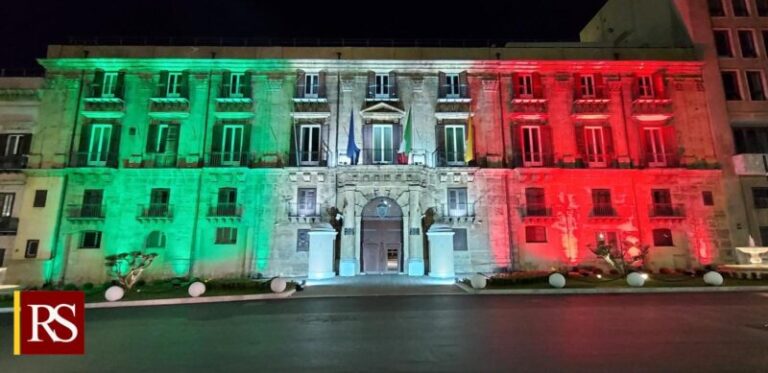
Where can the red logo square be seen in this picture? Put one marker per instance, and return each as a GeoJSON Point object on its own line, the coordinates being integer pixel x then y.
{"type": "Point", "coordinates": [49, 323]}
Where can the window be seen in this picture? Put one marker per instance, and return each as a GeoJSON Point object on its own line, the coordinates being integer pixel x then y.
{"type": "Point", "coordinates": [382, 144]}
{"type": "Point", "coordinates": [31, 250]}
{"type": "Point", "coordinates": [41, 195]}
{"type": "Point", "coordinates": [382, 86]}
{"type": "Point", "coordinates": [762, 8]}
{"type": "Point", "coordinates": [609, 238]}
{"type": "Point", "coordinates": [654, 147]}
{"type": "Point", "coordinates": [173, 85]}
{"type": "Point", "coordinates": [307, 199]}
{"type": "Point", "coordinates": [163, 138]}
{"type": "Point", "coordinates": [601, 203]}
{"type": "Point", "coordinates": [309, 140]}
{"type": "Point", "coordinates": [457, 202]}
{"type": "Point", "coordinates": [662, 202]}
{"type": "Point", "coordinates": [2, 257]}
{"type": "Point", "coordinates": [707, 198]}
{"type": "Point", "coordinates": [755, 85]}
{"type": "Point", "coordinates": [747, 43]}
{"type": "Point", "coordinates": [232, 144]}
{"type": "Point", "coordinates": [311, 85]}
{"type": "Point", "coordinates": [588, 86]}
{"type": "Point", "coordinates": [6, 204]}
{"type": "Point", "coordinates": [731, 85]}
{"type": "Point", "coordinates": [92, 200]}
{"type": "Point", "coordinates": [226, 236]}
{"type": "Point", "coordinates": [460, 239]}
{"type": "Point", "coordinates": [302, 240]}
{"type": "Point", "coordinates": [535, 202]}
{"type": "Point", "coordinates": [532, 150]}
{"type": "Point", "coordinates": [452, 86]}
{"type": "Point", "coordinates": [236, 84]}
{"type": "Point", "coordinates": [155, 240]}
{"type": "Point", "coordinates": [751, 140]}
{"type": "Point", "coordinates": [98, 145]}
{"type": "Point", "coordinates": [723, 43]}
{"type": "Point", "coordinates": [454, 144]}
{"type": "Point", "coordinates": [716, 8]}
{"type": "Point", "coordinates": [536, 234]}
{"type": "Point", "coordinates": [525, 85]}
{"type": "Point", "coordinates": [645, 86]}
{"type": "Point", "coordinates": [109, 85]}
{"type": "Point", "coordinates": [158, 202]}
{"type": "Point", "coordinates": [595, 142]}
{"type": "Point", "coordinates": [662, 237]}
{"type": "Point", "coordinates": [90, 240]}
{"type": "Point", "coordinates": [760, 197]}
{"type": "Point", "coordinates": [227, 202]}
{"type": "Point", "coordinates": [13, 145]}
{"type": "Point", "coordinates": [740, 8]}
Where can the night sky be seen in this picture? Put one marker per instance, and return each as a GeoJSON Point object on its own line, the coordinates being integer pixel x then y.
{"type": "Point", "coordinates": [26, 27]}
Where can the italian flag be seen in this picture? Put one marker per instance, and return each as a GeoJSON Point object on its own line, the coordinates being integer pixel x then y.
{"type": "Point", "coordinates": [469, 145]}
{"type": "Point", "coordinates": [405, 143]}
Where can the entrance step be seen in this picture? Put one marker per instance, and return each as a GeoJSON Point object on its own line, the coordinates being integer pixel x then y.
{"type": "Point", "coordinates": [378, 285]}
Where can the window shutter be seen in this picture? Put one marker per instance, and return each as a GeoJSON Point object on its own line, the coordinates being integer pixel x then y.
{"type": "Point", "coordinates": [120, 85]}
{"type": "Point", "coordinates": [98, 80]}
{"type": "Point", "coordinates": [300, 82]}
{"type": "Point", "coordinates": [325, 135]}
{"type": "Point", "coordinates": [397, 135]}
{"type": "Point", "coordinates": [659, 85]}
{"type": "Point", "coordinates": [292, 159]}
{"type": "Point", "coordinates": [226, 83]}
{"type": "Point", "coordinates": [581, 145]}
{"type": "Point", "coordinates": [152, 138]}
{"type": "Point", "coordinates": [392, 84]}
{"type": "Point", "coordinates": [516, 133]}
{"type": "Point", "coordinates": [85, 135]}
{"type": "Point", "coordinates": [218, 131]}
{"type": "Point", "coordinates": [538, 88]}
{"type": "Point", "coordinates": [599, 86]}
{"type": "Point", "coordinates": [636, 87]}
{"type": "Point", "coordinates": [162, 84]}
{"type": "Point", "coordinates": [608, 138]}
{"type": "Point", "coordinates": [26, 142]}
{"type": "Point", "coordinates": [114, 145]}
{"type": "Point", "coordinates": [441, 85]}
{"type": "Point", "coordinates": [440, 140]}
{"type": "Point", "coordinates": [464, 84]}
{"type": "Point", "coordinates": [368, 143]}
{"type": "Point", "coordinates": [371, 84]}
{"type": "Point", "coordinates": [670, 143]}
{"type": "Point", "coordinates": [576, 86]}
{"type": "Point", "coordinates": [185, 84]}
{"type": "Point", "coordinates": [515, 86]}
{"type": "Point", "coordinates": [246, 84]}
{"type": "Point", "coordinates": [321, 88]}
{"type": "Point", "coordinates": [546, 142]}
{"type": "Point", "coordinates": [246, 141]}
{"type": "Point", "coordinates": [3, 144]}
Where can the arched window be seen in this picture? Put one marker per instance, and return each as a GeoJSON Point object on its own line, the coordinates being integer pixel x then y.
{"type": "Point", "coordinates": [156, 240]}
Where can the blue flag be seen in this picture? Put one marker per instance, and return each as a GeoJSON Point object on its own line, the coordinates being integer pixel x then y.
{"type": "Point", "coordinates": [353, 152]}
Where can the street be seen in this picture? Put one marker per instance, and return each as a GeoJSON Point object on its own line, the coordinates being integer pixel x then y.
{"type": "Point", "coordinates": [643, 333]}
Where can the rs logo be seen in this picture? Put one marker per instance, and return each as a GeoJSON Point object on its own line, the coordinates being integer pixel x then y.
{"type": "Point", "coordinates": [48, 322]}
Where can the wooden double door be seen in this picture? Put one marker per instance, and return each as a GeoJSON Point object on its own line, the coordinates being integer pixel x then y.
{"type": "Point", "coordinates": [382, 245]}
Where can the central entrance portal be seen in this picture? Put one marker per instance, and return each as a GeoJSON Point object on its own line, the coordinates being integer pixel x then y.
{"type": "Point", "coordinates": [382, 241]}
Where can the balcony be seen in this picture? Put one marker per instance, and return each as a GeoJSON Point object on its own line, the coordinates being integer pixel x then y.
{"type": "Point", "coordinates": [103, 107]}
{"type": "Point", "coordinates": [591, 108]}
{"type": "Point", "coordinates": [529, 108]}
{"type": "Point", "coordinates": [155, 211]}
{"type": "Point", "coordinates": [227, 159]}
{"type": "Point", "coordinates": [234, 106]}
{"type": "Point", "coordinates": [168, 107]}
{"type": "Point", "coordinates": [534, 212]}
{"type": "Point", "coordinates": [309, 159]}
{"type": "Point", "coordinates": [755, 164]}
{"type": "Point", "coordinates": [95, 159]}
{"type": "Point", "coordinates": [533, 160]}
{"type": "Point", "coordinates": [603, 212]}
{"type": "Point", "coordinates": [8, 226]}
{"type": "Point", "coordinates": [457, 213]}
{"type": "Point", "coordinates": [660, 160]}
{"type": "Point", "coordinates": [303, 213]}
{"type": "Point", "coordinates": [444, 158]}
{"type": "Point", "coordinates": [13, 162]}
{"type": "Point", "coordinates": [156, 160]}
{"type": "Point", "coordinates": [651, 109]}
{"type": "Point", "coordinates": [85, 212]}
{"type": "Point", "coordinates": [226, 210]}
{"type": "Point", "coordinates": [666, 211]}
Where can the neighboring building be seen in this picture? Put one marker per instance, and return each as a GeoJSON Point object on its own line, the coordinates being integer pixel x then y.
{"type": "Point", "coordinates": [527, 153]}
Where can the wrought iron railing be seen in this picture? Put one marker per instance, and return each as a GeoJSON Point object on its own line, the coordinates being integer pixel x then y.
{"type": "Point", "coordinates": [13, 162]}
{"type": "Point", "coordinates": [86, 211]}
{"type": "Point", "coordinates": [160, 160]}
{"type": "Point", "coordinates": [602, 211]}
{"type": "Point", "coordinates": [457, 210]}
{"type": "Point", "coordinates": [666, 210]}
{"type": "Point", "coordinates": [226, 210]}
{"type": "Point", "coordinates": [156, 210]}
{"type": "Point", "coordinates": [535, 210]}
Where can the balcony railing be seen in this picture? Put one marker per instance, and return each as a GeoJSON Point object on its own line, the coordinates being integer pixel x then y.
{"type": "Point", "coordinates": [529, 106]}
{"type": "Point", "coordinates": [457, 210]}
{"type": "Point", "coordinates": [302, 210]}
{"type": "Point", "coordinates": [86, 211]}
{"type": "Point", "coordinates": [660, 160]}
{"type": "Point", "coordinates": [8, 225]}
{"type": "Point", "coordinates": [94, 159]}
{"type": "Point", "coordinates": [157, 160]}
{"type": "Point", "coordinates": [651, 108]}
{"type": "Point", "coordinates": [603, 211]}
{"type": "Point", "coordinates": [449, 159]}
{"type": "Point", "coordinates": [13, 162]}
{"type": "Point", "coordinates": [391, 94]}
{"type": "Point", "coordinates": [590, 106]}
{"type": "Point", "coordinates": [156, 211]}
{"type": "Point", "coordinates": [535, 210]}
{"type": "Point", "coordinates": [666, 210]}
{"type": "Point", "coordinates": [533, 160]}
{"type": "Point", "coordinates": [226, 210]}
{"type": "Point", "coordinates": [449, 92]}
{"type": "Point", "coordinates": [227, 159]}
{"type": "Point", "coordinates": [309, 158]}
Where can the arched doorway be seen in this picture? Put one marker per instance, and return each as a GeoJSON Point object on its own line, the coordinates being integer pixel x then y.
{"type": "Point", "coordinates": [382, 239]}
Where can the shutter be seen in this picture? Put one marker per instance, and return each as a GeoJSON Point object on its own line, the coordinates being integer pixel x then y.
{"type": "Point", "coordinates": [599, 86]}
{"type": "Point", "coordinates": [120, 85]}
{"type": "Point", "coordinates": [246, 148]}
{"type": "Point", "coordinates": [516, 144]}
{"type": "Point", "coordinates": [325, 131]}
{"type": "Point", "coordinates": [397, 135]}
{"type": "Point", "coordinates": [98, 80]}
{"type": "Point", "coordinates": [659, 85]}
{"type": "Point", "coordinates": [226, 83]}
{"type": "Point", "coordinates": [392, 84]}
{"type": "Point", "coordinates": [300, 82]}
{"type": "Point", "coordinates": [218, 131]}
{"type": "Point", "coordinates": [246, 84]}
{"type": "Point", "coordinates": [441, 85]}
{"type": "Point", "coordinates": [515, 86]}
{"type": "Point", "coordinates": [321, 88]}
{"type": "Point", "coordinates": [464, 84]}
{"type": "Point", "coordinates": [546, 144]}
{"type": "Point", "coordinates": [636, 88]}
{"type": "Point", "coordinates": [26, 142]}
{"type": "Point", "coordinates": [440, 137]}
{"type": "Point", "coordinates": [670, 143]}
{"type": "Point", "coordinates": [608, 138]}
{"type": "Point", "coordinates": [576, 86]}
{"type": "Point", "coordinates": [371, 84]}
{"type": "Point", "coordinates": [162, 84]}
{"type": "Point", "coordinates": [3, 144]}
{"type": "Point", "coordinates": [367, 144]}
{"type": "Point", "coordinates": [185, 84]}
{"type": "Point", "coordinates": [114, 145]}
{"type": "Point", "coordinates": [152, 138]}
{"type": "Point", "coordinates": [538, 88]}
{"type": "Point", "coordinates": [581, 142]}
{"type": "Point", "coordinates": [85, 135]}
{"type": "Point", "coordinates": [292, 158]}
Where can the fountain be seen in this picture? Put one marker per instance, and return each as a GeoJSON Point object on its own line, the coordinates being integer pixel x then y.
{"type": "Point", "coordinates": [753, 251]}
{"type": "Point", "coordinates": [756, 267]}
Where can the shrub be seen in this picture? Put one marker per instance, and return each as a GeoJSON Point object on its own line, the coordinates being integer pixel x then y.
{"type": "Point", "coordinates": [665, 271]}
{"type": "Point", "coordinates": [176, 282]}
{"type": "Point", "coordinates": [518, 278]}
{"type": "Point", "coordinates": [597, 271]}
{"type": "Point", "coordinates": [88, 286]}
{"type": "Point", "coordinates": [614, 272]}
{"type": "Point", "coordinates": [141, 283]}
{"type": "Point", "coordinates": [70, 287]}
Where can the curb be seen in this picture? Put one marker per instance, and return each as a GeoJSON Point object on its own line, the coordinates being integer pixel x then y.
{"type": "Point", "coordinates": [649, 290]}
{"type": "Point", "coordinates": [177, 301]}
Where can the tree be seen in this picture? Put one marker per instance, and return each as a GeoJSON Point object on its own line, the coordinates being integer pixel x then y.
{"type": "Point", "coordinates": [126, 268]}
{"type": "Point", "coordinates": [622, 258]}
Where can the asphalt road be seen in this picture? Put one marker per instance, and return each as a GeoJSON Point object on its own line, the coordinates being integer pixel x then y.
{"type": "Point", "coordinates": [643, 333]}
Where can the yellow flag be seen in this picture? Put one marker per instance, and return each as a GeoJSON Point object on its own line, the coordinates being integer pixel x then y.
{"type": "Point", "coordinates": [469, 143]}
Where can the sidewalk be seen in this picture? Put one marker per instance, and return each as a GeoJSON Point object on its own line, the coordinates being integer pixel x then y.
{"type": "Point", "coordinates": [627, 290]}
{"type": "Point", "coordinates": [378, 285]}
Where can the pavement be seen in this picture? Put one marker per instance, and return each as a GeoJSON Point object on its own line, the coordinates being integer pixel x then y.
{"type": "Point", "coordinates": [586, 333]}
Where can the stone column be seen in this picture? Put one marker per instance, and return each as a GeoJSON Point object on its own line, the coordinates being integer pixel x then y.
{"type": "Point", "coordinates": [321, 239]}
{"type": "Point", "coordinates": [415, 242]}
{"type": "Point", "coordinates": [348, 262]}
{"type": "Point", "coordinates": [441, 251]}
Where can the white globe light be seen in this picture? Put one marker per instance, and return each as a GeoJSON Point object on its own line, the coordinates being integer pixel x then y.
{"type": "Point", "coordinates": [636, 279]}
{"type": "Point", "coordinates": [478, 281]}
{"type": "Point", "coordinates": [278, 285]}
{"type": "Point", "coordinates": [557, 280]}
{"type": "Point", "coordinates": [713, 278]}
{"type": "Point", "coordinates": [196, 289]}
{"type": "Point", "coordinates": [114, 293]}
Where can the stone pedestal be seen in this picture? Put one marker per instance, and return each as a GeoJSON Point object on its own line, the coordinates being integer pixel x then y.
{"type": "Point", "coordinates": [321, 239]}
{"type": "Point", "coordinates": [415, 267]}
{"type": "Point", "coordinates": [441, 251]}
{"type": "Point", "coordinates": [348, 267]}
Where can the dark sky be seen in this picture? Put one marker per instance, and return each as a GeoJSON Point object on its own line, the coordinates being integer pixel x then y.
{"type": "Point", "coordinates": [27, 26]}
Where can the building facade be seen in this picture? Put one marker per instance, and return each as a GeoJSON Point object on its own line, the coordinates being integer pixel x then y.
{"type": "Point", "coordinates": [225, 160]}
